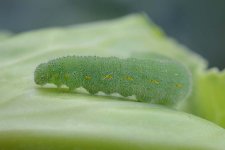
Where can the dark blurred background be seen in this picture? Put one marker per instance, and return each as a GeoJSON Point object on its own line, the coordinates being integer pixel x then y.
{"type": "Point", "coordinates": [198, 24]}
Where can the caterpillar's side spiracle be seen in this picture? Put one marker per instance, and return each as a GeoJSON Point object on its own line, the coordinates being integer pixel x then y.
{"type": "Point", "coordinates": [157, 79]}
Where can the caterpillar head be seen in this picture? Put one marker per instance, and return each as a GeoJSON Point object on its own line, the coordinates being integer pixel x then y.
{"type": "Point", "coordinates": [41, 76]}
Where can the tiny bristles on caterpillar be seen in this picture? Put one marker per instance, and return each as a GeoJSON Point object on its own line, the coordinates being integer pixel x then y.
{"type": "Point", "coordinates": [157, 80]}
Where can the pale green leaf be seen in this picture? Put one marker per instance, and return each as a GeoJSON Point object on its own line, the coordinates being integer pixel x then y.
{"type": "Point", "coordinates": [210, 96]}
{"type": "Point", "coordinates": [33, 117]}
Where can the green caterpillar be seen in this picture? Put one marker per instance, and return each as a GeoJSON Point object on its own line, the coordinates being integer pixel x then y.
{"type": "Point", "coordinates": [157, 79]}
